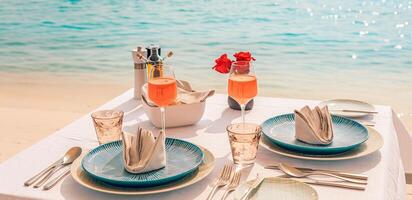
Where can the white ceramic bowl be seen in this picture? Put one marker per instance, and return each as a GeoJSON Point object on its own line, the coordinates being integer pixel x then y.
{"type": "Point", "coordinates": [176, 115]}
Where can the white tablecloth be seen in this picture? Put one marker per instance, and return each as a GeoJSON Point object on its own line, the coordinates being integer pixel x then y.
{"type": "Point", "coordinates": [384, 168]}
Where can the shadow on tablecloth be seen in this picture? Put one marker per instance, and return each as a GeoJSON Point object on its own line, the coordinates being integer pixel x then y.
{"type": "Point", "coordinates": [220, 124]}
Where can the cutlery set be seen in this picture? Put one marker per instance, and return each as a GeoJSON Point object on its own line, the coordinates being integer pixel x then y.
{"type": "Point", "coordinates": [230, 178]}
{"type": "Point", "coordinates": [293, 172]}
{"type": "Point", "coordinates": [349, 175]}
{"type": "Point", "coordinates": [42, 177]}
{"type": "Point", "coordinates": [358, 181]}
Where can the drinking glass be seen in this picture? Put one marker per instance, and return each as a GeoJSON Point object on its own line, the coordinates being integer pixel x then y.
{"type": "Point", "coordinates": [244, 141]}
{"type": "Point", "coordinates": [162, 88]}
{"type": "Point", "coordinates": [108, 125]}
{"type": "Point", "coordinates": [242, 84]}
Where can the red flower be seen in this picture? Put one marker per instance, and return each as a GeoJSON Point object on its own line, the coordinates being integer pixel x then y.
{"type": "Point", "coordinates": [243, 56]}
{"type": "Point", "coordinates": [223, 64]}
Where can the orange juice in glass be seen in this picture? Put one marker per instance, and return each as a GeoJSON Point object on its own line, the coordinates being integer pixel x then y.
{"type": "Point", "coordinates": [242, 84]}
{"type": "Point", "coordinates": [162, 89]}
{"type": "Point", "coordinates": [242, 87]}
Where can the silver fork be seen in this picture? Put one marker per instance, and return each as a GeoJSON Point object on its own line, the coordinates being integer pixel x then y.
{"type": "Point", "coordinates": [234, 183]}
{"type": "Point", "coordinates": [223, 180]}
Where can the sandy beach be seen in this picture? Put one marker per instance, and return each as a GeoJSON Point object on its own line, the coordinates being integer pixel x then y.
{"type": "Point", "coordinates": [35, 105]}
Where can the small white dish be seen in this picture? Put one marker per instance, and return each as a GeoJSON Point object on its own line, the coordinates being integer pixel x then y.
{"type": "Point", "coordinates": [279, 189]}
{"type": "Point", "coordinates": [336, 106]}
{"type": "Point", "coordinates": [176, 115]}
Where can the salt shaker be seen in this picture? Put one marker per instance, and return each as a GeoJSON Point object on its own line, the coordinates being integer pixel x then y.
{"type": "Point", "coordinates": [140, 72]}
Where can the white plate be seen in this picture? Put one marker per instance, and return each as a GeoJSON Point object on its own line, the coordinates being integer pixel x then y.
{"type": "Point", "coordinates": [279, 189]}
{"type": "Point", "coordinates": [348, 104]}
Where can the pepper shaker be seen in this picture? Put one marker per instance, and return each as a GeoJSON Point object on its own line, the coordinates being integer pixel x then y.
{"type": "Point", "coordinates": [140, 71]}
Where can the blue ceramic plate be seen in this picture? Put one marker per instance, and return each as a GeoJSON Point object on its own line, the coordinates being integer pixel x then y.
{"type": "Point", "coordinates": [348, 134]}
{"type": "Point", "coordinates": [105, 163]}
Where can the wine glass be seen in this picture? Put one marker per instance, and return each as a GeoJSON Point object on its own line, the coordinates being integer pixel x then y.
{"type": "Point", "coordinates": [162, 88]}
{"type": "Point", "coordinates": [242, 84]}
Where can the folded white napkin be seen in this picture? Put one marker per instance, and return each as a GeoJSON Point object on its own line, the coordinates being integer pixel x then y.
{"type": "Point", "coordinates": [314, 126]}
{"type": "Point", "coordinates": [142, 152]}
{"type": "Point", "coordinates": [185, 94]}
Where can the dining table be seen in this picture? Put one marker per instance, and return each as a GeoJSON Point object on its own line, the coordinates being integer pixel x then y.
{"type": "Point", "coordinates": [385, 168]}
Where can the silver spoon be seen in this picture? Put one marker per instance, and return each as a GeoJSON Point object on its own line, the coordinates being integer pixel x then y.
{"type": "Point", "coordinates": [294, 172]}
{"type": "Point", "coordinates": [48, 169]}
{"type": "Point", "coordinates": [68, 158]}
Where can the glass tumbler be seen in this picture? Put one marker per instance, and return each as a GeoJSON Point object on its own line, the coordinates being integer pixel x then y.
{"type": "Point", "coordinates": [244, 141]}
{"type": "Point", "coordinates": [108, 125]}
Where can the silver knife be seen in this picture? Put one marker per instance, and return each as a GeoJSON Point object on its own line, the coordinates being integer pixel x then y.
{"type": "Point", "coordinates": [53, 182]}
{"type": "Point", "coordinates": [345, 174]}
{"type": "Point", "coordinates": [332, 184]}
{"type": "Point", "coordinates": [254, 185]}
{"type": "Point", "coordinates": [354, 111]}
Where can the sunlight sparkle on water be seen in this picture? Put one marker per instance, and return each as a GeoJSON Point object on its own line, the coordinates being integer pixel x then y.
{"type": "Point", "coordinates": [397, 46]}
{"type": "Point", "coordinates": [354, 56]}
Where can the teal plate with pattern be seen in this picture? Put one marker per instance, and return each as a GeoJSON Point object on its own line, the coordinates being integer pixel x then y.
{"type": "Point", "coordinates": [105, 163]}
{"type": "Point", "coordinates": [348, 134]}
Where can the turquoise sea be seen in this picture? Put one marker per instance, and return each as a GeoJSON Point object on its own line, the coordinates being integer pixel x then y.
{"type": "Point", "coordinates": [304, 49]}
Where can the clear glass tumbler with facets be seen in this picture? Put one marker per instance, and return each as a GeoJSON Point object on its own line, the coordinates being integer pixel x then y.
{"type": "Point", "coordinates": [108, 125]}
{"type": "Point", "coordinates": [244, 141]}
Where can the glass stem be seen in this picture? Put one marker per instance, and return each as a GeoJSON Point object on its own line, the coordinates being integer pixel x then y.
{"type": "Point", "coordinates": [163, 116]}
{"type": "Point", "coordinates": [242, 110]}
